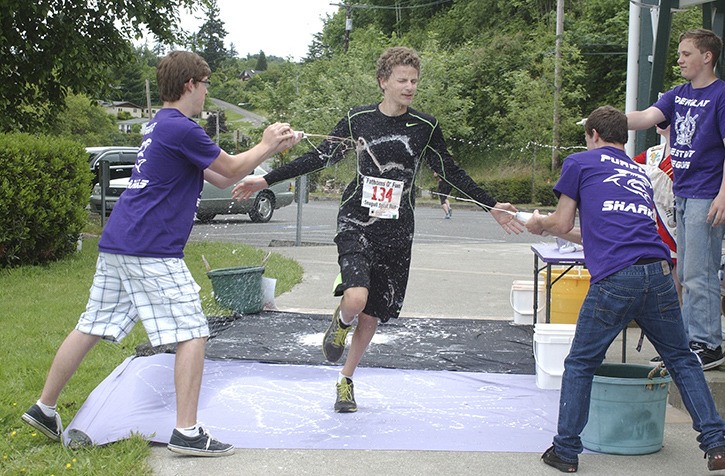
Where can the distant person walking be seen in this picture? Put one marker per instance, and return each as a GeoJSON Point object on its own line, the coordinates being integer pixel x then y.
{"type": "Point", "coordinates": [444, 191]}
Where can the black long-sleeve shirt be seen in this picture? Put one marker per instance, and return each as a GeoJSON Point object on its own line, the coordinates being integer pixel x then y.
{"type": "Point", "coordinates": [388, 148]}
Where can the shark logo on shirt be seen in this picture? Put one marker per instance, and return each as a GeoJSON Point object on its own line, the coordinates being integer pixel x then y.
{"type": "Point", "coordinates": [636, 183]}
{"type": "Point", "coordinates": [140, 157]}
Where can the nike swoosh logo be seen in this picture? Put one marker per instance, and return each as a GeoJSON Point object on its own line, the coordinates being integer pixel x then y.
{"type": "Point", "coordinates": [411, 124]}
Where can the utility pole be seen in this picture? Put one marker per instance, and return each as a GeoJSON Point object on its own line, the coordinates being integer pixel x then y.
{"type": "Point", "coordinates": [348, 25]}
{"type": "Point", "coordinates": [348, 19]}
{"type": "Point", "coordinates": [556, 140]}
{"type": "Point", "coordinates": [148, 98]}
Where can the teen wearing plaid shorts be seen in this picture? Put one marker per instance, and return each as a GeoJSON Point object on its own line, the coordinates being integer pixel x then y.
{"type": "Point", "coordinates": [140, 272]}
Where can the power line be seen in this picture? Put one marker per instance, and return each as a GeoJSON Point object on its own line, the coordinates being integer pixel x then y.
{"type": "Point", "coordinates": [400, 7]}
{"type": "Point", "coordinates": [397, 7]}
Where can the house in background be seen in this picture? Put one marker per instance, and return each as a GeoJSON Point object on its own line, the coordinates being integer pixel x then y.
{"type": "Point", "coordinates": [139, 114]}
{"type": "Point", "coordinates": [116, 107]}
{"type": "Point", "coordinates": [126, 125]}
{"type": "Point", "coordinates": [247, 74]}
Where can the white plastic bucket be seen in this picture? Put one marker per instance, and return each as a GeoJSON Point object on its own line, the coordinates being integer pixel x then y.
{"type": "Point", "coordinates": [522, 301]}
{"type": "Point", "coordinates": [552, 343]}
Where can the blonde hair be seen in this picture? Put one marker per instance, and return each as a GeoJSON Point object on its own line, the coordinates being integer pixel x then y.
{"type": "Point", "coordinates": [396, 56]}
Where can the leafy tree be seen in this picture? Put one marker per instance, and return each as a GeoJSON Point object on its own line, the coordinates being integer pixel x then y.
{"type": "Point", "coordinates": [129, 82]}
{"type": "Point", "coordinates": [49, 47]}
{"type": "Point", "coordinates": [210, 38]}
{"type": "Point", "coordinates": [84, 121]}
{"type": "Point", "coordinates": [329, 40]}
{"type": "Point", "coordinates": [261, 62]}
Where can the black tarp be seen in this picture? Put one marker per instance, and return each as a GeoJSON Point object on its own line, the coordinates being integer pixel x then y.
{"type": "Point", "coordinates": [407, 343]}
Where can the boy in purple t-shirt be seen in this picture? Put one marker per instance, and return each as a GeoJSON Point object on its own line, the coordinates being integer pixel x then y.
{"type": "Point", "coordinates": [631, 279]}
{"type": "Point", "coordinates": [140, 273]}
{"type": "Point", "coordinates": [696, 113]}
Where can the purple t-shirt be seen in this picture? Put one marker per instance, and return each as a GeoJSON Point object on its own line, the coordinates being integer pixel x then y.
{"type": "Point", "coordinates": [697, 117]}
{"type": "Point", "coordinates": [154, 215]}
{"type": "Point", "coordinates": [616, 210]}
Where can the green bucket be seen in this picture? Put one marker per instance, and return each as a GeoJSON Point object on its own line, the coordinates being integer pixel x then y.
{"type": "Point", "coordinates": [239, 289]}
{"type": "Point", "coordinates": [627, 410]}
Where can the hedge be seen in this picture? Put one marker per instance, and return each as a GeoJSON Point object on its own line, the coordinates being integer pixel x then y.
{"type": "Point", "coordinates": [44, 189]}
{"type": "Point", "coordinates": [517, 190]}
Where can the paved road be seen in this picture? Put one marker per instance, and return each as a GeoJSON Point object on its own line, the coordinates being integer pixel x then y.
{"type": "Point", "coordinates": [468, 226]}
{"type": "Point", "coordinates": [248, 116]}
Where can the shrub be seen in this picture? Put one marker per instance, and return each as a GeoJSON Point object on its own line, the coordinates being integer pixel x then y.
{"type": "Point", "coordinates": [518, 190]}
{"type": "Point", "coordinates": [44, 188]}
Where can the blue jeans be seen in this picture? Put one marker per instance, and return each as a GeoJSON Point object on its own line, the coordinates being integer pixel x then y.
{"type": "Point", "coordinates": [646, 294]}
{"type": "Point", "coordinates": [699, 247]}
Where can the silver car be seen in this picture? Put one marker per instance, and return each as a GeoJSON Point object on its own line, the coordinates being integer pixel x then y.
{"type": "Point", "coordinates": [214, 201]}
{"type": "Point", "coordinates": [120, 160]}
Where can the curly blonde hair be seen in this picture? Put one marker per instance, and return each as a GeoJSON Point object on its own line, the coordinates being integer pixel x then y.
{"type": "Point", "coordinates": [396, 56]}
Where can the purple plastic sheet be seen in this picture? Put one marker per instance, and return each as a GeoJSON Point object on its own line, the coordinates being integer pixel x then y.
{"type": "Point", "coordinates": [256, 405]}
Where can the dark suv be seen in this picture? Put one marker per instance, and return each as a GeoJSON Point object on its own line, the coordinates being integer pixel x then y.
{"type": "Point", "coordinates": [120, 159]}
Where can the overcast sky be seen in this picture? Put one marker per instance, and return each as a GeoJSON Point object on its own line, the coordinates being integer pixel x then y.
{"type": "Point", "coordinates": [282, 28]}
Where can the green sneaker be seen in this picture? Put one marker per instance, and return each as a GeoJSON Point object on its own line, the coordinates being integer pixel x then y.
{"type": "Point", "coordinates": [333, 344]}
{"type": "Point", "coordinates": [345, 402]}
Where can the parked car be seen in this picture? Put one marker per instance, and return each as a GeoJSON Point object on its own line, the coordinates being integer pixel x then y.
{"type": "Point", "coordinates": [214, 201]}
{"type": "Point", "coordinates": [120, 159]}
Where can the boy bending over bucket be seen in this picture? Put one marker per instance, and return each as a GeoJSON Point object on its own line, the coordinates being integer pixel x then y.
{"type": "Point", "coordinates": [631, 279]}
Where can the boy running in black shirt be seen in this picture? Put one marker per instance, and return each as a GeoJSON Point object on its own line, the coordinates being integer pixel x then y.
{"type": "Point", "coordinates": [375, 223]}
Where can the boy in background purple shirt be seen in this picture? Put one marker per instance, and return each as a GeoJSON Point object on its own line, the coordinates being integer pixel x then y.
{"type": "Point", "coordinates": [696, 113]}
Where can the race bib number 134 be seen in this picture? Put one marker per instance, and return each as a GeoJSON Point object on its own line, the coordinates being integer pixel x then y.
{"type": "Point", "coordinates": [382, 196]}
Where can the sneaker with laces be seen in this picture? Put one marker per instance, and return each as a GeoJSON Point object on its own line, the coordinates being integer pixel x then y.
{"type": "Point", "coordinates": [51, 427]}
{"type": "Point", "coordinates": [709, 358]}
{"type": "Point", "coordinates": [333, 344]}
{"type": "Point", "coordinates": [345, 402]}
{"type": "Point", "coordinates": [552, 459]}
{"type": "Point", "coordinates": [202, 444]}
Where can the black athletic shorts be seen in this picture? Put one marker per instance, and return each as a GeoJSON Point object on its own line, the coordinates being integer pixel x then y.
{"type": "Point", "coordinates": [383, 270]}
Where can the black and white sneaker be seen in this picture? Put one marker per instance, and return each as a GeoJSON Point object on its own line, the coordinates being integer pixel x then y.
{"type": "Point", "coordinates": [709, 358]}
{"type": "Point", "coordinates": [202, 444]}
{"type": "Point", "coordinates": [656, 360]}
{"type": "Point", "coordinates": [49, 426]}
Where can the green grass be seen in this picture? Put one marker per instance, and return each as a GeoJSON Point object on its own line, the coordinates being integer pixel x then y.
{"type": "Point", "coordinates": [40, 305]}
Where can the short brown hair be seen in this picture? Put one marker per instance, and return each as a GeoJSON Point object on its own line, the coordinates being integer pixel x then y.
{"type": "Point", "coordinates": [704, 40]}
{"type": "Point", "coordinates": [175, 70]}
{"type": "Point", "coordinates": [610, 123]}
{"type": "Point", "coordinates": [396, 56]}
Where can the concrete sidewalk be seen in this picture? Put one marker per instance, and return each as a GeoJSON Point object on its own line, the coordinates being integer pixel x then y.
{"type": "Point", "coordinates": [454, 281]}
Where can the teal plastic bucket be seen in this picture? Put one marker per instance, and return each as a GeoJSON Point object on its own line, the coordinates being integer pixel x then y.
{"type": "Point", "coordinates": [627, 410]}
{"type": "Point", "coordinates": [239, 289]}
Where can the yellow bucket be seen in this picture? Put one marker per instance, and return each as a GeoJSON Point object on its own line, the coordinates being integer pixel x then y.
{"type": "Point", "coordinates": [567, 294]}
